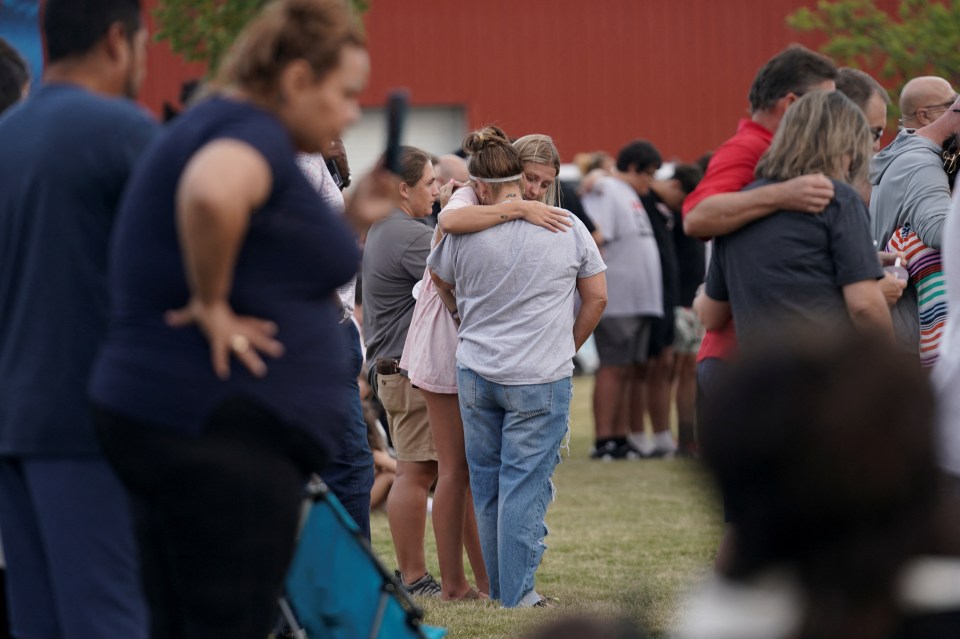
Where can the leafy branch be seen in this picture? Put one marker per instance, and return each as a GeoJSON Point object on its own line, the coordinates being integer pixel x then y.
{"type": "Point", "coordinates": [203, 30]}
{"type": "Point", "coordinates": [921, 38]}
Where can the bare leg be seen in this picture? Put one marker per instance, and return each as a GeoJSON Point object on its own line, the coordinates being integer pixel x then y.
{"type": "Point", "coordinates": [659, 377]}
{"type": "Point", "coordinates": [382, 483]}
{"type": "Point", "coordinates": [686, 368]}
{"type": "Point", "coordinates": [450, 495]}
{"type": "Point", "coordinates": [625, 405]}
{"type": "Point", "coordinates": [638, 398]}
{"type": "Point", "coordinates": [407, 513]}
{"type": "Point", "coordinates": [471, 541]}
{"type": "Point", "coordinates": [607, 399]}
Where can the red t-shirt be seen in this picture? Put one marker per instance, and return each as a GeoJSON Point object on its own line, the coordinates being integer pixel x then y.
{"type": "Point", "coordinates": [731, 168]}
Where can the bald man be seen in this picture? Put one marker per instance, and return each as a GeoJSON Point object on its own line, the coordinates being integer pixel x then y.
{"type": "Point", "coordinates": [447, 167]}
{"type": "Point", "coordinates": [451, 167]}
{"type": "Point", "coordinates": [923, 100]}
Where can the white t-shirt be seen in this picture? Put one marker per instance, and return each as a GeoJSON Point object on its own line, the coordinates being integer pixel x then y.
{"type": "Point", "coordinates": [634, 279]}
{"type": "Point", "coordinates": [314, 167]}
{"type": "Point", "coordinates": [946, 375]}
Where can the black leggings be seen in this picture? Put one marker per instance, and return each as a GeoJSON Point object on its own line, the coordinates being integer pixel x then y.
{"type": "Point", "coordinates": [216, 516]}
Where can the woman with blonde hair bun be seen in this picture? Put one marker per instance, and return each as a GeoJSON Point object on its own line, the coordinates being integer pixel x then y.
{"type": "Point", "coordinates": [515, 286]}
{"type": "Point", "coordinates": [540, 166]}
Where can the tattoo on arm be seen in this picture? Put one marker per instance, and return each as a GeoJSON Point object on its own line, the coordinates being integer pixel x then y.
{"type": "Point", "coordinates": [504, 217]}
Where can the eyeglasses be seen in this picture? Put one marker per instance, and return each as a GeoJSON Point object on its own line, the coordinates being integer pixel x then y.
{"type": "Point", "coordinates": [930, 107]}
{"type": "Point", "coordinates": [877, 133]}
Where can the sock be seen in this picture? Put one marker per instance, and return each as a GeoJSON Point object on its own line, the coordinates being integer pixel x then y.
{"type": "Point", "coordinates": [664, 441]}
{"type": "Point", "coordinates": [641, 442]}
{"type": "Point", "coordinates": [528, 599]}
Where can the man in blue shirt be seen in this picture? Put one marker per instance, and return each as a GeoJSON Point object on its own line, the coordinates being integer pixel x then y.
{"type": "Point", "coordinates": [65, 157]}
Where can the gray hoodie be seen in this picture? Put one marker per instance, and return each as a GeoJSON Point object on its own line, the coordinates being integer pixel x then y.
{"type": "Point", "coordinates": [909, 187]}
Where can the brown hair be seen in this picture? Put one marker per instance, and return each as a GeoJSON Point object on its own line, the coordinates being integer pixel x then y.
{"type": "Point", "coordinates": [816, 132]}
{"type": "Point", "coordinates": [859, 86]}
{"type": "Point", "coordinates": [540, 149]}
{"type": "Point", "coordinates": [795, 70]}
{"type": "Point", "coordinates": [288, 30]}
{"type": "Point", "coordinates": [492, 156]}
{"type": "Point", "coordinates": [412, 162]}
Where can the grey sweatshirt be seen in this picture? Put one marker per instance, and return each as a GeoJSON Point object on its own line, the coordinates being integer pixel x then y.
{"type": "Point", "coordinates": [909, 187]}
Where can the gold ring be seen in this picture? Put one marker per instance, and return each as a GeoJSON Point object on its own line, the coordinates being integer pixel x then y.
{"type": "Point", "coordinates": [239, 343]}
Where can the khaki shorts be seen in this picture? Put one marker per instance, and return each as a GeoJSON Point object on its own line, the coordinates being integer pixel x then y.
{"type": "Point", "coordinates": [407, 417]}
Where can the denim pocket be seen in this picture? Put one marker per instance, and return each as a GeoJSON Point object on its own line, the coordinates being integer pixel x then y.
{"type": "Point", "coordinates": [530, 400]}
{"type": "Point", "coordinates": [467, 387]}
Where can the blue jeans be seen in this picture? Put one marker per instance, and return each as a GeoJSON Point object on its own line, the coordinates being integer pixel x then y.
{"type": "Point", "coordinates": [513, 436]}
{"type": "Point", "coordinates": [350, 474]}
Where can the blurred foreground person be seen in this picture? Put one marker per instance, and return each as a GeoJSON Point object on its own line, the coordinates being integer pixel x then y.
{"type": "Point", "coordinates": [350, 473]}
{"type": "Point", "coordinates": [946, 375]}
{"type": "Point", "coordinates": [213, 444]}
{"type": "Point", "coordinates": [14, 76]}
{"type": "Point", "coordinates": [586, 628]}
{"type": "Point", "coordinates": [840, 521]}
{"type": "Point", "coordinates": [66, 155]}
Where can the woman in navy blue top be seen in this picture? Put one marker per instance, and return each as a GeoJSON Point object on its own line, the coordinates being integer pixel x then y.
{"type": "Point", "coordinates": [218, 382]}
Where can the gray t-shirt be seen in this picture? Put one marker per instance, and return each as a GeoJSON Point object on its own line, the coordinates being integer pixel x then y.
{"type": "Point", "coordinates": [634, 281]}
{"type": "Point", "coordinates": [394, 258]}
{"type": "Point", "coordinates": [515, 286]}
{"type": "Point", "coordinates": [792, 267]}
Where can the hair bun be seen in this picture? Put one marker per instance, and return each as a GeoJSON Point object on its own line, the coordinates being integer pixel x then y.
{"type": "Point", "coordinates": [484, 138]}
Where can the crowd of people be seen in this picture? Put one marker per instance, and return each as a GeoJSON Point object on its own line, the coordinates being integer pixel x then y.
{"type": "Point", "coordinates": [197, 318]}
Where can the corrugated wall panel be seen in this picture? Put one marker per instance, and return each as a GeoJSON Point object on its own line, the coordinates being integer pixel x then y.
{"type": "Point", "coordinates": [594, 74]}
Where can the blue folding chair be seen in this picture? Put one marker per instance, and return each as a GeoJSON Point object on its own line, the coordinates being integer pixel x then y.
{"type": "Point", "coordinates": [337, 588]}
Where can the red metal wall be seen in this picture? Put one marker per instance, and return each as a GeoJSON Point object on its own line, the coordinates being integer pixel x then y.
{"type": "Point", "coordinates": [166, 71]}
{"type": "Point", "coordinates": [594, 74]}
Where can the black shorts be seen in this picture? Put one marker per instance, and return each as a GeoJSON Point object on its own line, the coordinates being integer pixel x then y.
{"type": "Point", "coordinates": [662, 333]}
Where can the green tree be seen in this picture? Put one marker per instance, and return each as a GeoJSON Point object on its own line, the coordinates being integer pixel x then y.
{"type": "Point", "coordinates": [203, 30]}
{"type": "Point", "coordinates": [921, 37]}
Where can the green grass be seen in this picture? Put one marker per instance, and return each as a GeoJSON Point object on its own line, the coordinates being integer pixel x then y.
{"type": "Point", "coordinates": [625, 539]}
